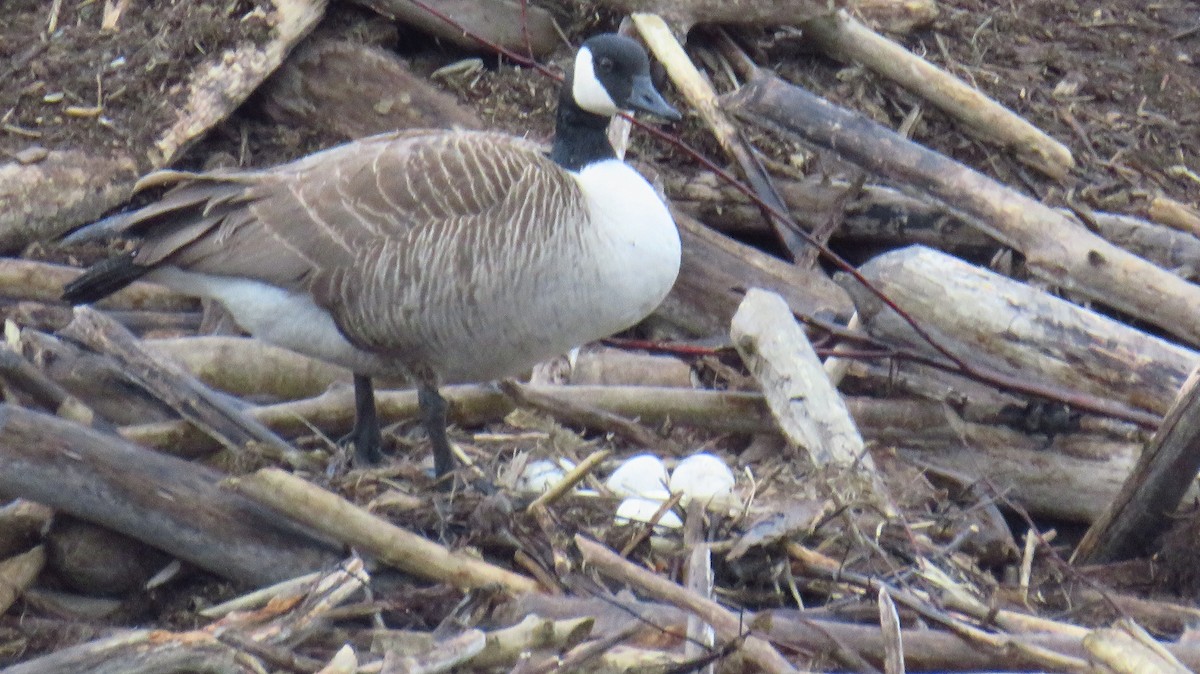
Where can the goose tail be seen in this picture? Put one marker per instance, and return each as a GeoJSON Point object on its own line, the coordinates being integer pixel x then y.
{"type": "Point", "coordinates": [103, 279]}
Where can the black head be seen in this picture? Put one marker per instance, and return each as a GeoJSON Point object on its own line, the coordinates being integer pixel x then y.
{"type": "Point", "coordinates": [612, 73]}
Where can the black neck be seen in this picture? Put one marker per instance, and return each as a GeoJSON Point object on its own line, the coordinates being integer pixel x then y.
{"type": "Point", "coordinates": [580, 137]}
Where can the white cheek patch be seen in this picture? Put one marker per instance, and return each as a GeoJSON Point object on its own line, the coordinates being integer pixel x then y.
{"type": "Point", "coordinates": [588, 92]}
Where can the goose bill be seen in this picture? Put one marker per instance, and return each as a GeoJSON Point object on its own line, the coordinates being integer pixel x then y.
{"type": "Point", "coordinates": [646, 98]}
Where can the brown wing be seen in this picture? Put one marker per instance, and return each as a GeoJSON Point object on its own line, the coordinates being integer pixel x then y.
{"type": "Point", "coordinates": [363, 222]}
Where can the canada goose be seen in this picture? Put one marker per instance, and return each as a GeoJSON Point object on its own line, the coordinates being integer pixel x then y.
{"type": "Point", "coordinates": [443, 256]}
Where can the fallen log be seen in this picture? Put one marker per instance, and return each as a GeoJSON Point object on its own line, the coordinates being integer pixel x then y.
{"type": "Point", "coordinates": [525, 29]}
{"type": "Point", "coordinates": [1165, 471]}
{"type": "Point", "coordinates": [843, 36]}
{"type": "Point", "coordinates": [985, 318]}
{"type": "Point", "coordinates": [1056, 249]}
{"type": "Point", "coordinates": [717, 270]}
{"type": "Point", "coordinates": [61, 186]}
{"type": "Point", "coordinates": [174, 386]}
{"type": "Point", "coordinates": [352, 90]}
{"type": "Point", "coordinates": [171, 504]}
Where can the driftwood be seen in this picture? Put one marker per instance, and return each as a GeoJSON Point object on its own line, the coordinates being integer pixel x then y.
{"type": "Point", "coordinates": [699, 93]}
{"type": "Point", "coordinates": [45, 392]}
{"type": "Point", "coordinates": [1174, 214]}
{"type": "Point", "coordinates": [49, 318]}
{"type": "Point", "coordinates": [1092, 466]}
{"type": "Point", "coordinates": [96, 379]}
{"type": "Point", "coordinates": [592, 418]}
{"type": "Point", "coordinates": [683, 14]}
{"type": "Point", "coordinates": [170, 504]}
{"type": "Point", "coordinates": [333, 412]}
{"type": "Point", "coordinates": [29, 280]}
{"type": "Point", "coordinates": [525, 29]}
{"type": "Point", "coordinates": [173, 385]}
{"type": "Point", "coordinates": [249, 367]}
{"type": "Point", "coordinates": [235, 644]}
{"type": "Point", "coordinates": [372, 535]}
{"type": "Point", "coordinates": [17, 573]}
{"type": "Point", "coordinates": [60, 186]}
{"type": "Point", "coordinates": [46, 193]}
{"type": "Point", "coordinates": [617, 367]}
{"type": "Point", "coordinates": [986, 318]}
{"type": "Point", "coordinates": [1162, 245]}
{"type": "Point", "coordinates": [895, 16]}
{"type": "Point", "coordinates": [1031, 470]}
{"type": "Point", "coordinates": [225, 81]}
{"type": "Point", "coordinates": [1055, 248]}
{"type": "Point", "coordinates": [727, 625]}
{"type": "Point", "coordinates": [353, 90]}
{"type": "Point", "coordinates": [1164, 472]}
{"type": "Point", "coordinates": [807, 406]}
{"type": "Point", "coordinates": [883, 217]}
{"type": "Point", "coordinates": [21, 525]}
{"type": "Point", "coordinates": [842, 35]}
{"type": "Point", "coordinates": [717, 270]}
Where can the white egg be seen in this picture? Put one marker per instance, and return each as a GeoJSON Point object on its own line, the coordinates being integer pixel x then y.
{"type": "Point", "coordinates": [640, 510]}
{"type": "Point", "coordinates": [643, 476]}
{"type": "Point", "coordinates": [704, 477]}
{"type": "Point", "coordinates": [542, 474]}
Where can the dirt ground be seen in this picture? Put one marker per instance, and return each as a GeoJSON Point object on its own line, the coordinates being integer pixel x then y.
{"type": "Point", "coordinates": [1117, 82]}
{"type": "Point", "coordinates": [79, 86]}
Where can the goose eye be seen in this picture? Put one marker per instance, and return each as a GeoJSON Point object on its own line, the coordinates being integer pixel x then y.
{"type": "Point", "coordinates": [606, 65]}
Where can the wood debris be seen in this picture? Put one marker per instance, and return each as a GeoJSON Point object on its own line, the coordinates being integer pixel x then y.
{"type": "Point", "coordinates": [924, 368]}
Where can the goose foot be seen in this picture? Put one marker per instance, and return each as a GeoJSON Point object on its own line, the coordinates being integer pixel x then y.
{"type": "Point", "coordinates": [433, 417]}
{"type": "Point", "coordinates": [366, 436]}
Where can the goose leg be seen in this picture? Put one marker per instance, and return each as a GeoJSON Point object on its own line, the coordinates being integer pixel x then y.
{"type": "Point", "coordinates": [366, 436]}
{"type": "Point", "coordinates": [433, 416]}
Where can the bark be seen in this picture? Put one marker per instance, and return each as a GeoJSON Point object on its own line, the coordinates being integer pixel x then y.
{"type": "Point", "coordinates": [173, 505]}
{"type": "Point", "coordinates": [1055, 248]}
{"type": "Point", "coordinates": [986, 318]}
{"type": "Point", "coordinates": [1164, 473]}
{"type": "Point", "coordinates": [842, 35]}
{"type": "Point", "coordinates": [354, 90]}
{"type": "Point", "coordinates": [523, 28]}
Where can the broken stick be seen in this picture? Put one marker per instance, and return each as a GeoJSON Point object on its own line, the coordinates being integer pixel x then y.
{"type": "Point", "coordinates": [1056, 248]}
{"type": "Point", "coordinates": [1164, 472]}
{"type": "Point", "coordinates": [842, 35]}
{"type": "Point", "coordinates": [807, 406]}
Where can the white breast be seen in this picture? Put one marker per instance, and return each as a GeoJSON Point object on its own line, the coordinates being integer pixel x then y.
{"type": "Point", "coordinates": [600, 271]}
{"type": "Point", "coordinates": [637, 249]}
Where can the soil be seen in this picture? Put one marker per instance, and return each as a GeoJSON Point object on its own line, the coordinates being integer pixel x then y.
{"type": "Point", "coordinates": [67, 83]}
{"type": "Point", "coordinates": [1116, 82]}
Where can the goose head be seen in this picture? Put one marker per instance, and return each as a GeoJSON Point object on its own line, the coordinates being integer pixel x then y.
{"type": "Point", "coordinates": [612, 73]}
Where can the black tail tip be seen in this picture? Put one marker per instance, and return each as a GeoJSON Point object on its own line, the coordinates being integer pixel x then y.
{"type": "Point", "coordinates": [103, 279]}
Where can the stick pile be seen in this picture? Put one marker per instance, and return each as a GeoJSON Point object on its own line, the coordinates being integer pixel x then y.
{"type": "Point", "coordinates": [915, 433]}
